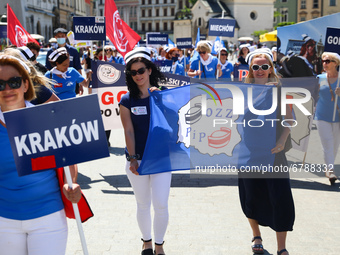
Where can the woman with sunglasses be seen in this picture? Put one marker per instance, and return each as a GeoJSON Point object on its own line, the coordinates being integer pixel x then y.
{"type": "Point", "coordinates": [226, 66]}
{"type": "Point", "coordinates": [142, 77]}
{"type": "Point", "coordinates": [32, 217]}
{"type": "Point", "coordinates": [206, 65]}
{"type": "Point", "coordinates": [65, 76]}
{"type": "Point", "coordinates": [177, 68]}
{"type": "Point", "coordinates": [268, 201]}
{"type": "Point", "coordinates": [109, 53]}
{"type": "Point", "coordinates": [328, 129]}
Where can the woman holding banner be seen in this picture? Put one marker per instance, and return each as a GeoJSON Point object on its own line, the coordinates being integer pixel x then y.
{"type": "Point", "coordinates": [142, 77]}
{"type": "Point", "coordinates": [32, 217]}
{"type": "Point", "coordinates": [329, 129]}
{"type": "Point", "coordinates": [268, 201]}
{"type": "Point", "coordinates": [206, 65]}
{"type": "Point", "coordinates": [65, 76]}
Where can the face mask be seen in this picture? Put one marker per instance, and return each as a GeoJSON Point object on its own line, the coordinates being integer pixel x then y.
{"type": "Point", "coordinates": [61, 41]}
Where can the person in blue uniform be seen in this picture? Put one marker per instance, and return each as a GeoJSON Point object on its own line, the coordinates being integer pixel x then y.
{"type": "Point", "coordinates": [65, 76]}
{"type": "Point", "coordinates": [328, 129]}
{"type": "Point", "coordinates": [32, 216]}
{"type": "Point", "coordinates": [226, 66]}
{"type": "Point", "coordinates": [176, 68]}
{"type": "Point", "coordinates": [205, 65]}
{"type": "Point", "coordinates": [142, 77]}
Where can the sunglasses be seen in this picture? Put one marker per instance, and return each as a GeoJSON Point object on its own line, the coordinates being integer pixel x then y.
{"type": "Point", "coordinates": [139, 71]}
{"type": "Point", "coordinates": [224, 54]}
{"type": "Point", "coordinates": [327, 61]}
{"type": "Point", "coordinates": [264, 67]}
{"type": "Point", "coordinates": [201, 52]}
{"type": "Point", "coordinates": [13, 83]}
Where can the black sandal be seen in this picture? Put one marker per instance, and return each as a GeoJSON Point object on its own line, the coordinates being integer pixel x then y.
{"type": "Point", "coordinates": [155, 249]}
{"type": "Point", "coordinates": [282, 251]}
{"type": "Point", "coordinates": [257, 248]}
{"type": "Point", "coordinates": [146, 251]}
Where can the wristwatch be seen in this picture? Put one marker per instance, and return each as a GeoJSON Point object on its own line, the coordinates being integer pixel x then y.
{"type": "Point", "coordinates": [129, 157]}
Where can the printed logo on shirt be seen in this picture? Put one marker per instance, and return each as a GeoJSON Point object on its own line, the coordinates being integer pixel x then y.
{"type": "Point", "coordinates": [58, 85]}
{"type": "Point", "coordinates": [139, 110]}
{"type": "Point", "coordinates": [69, 84]}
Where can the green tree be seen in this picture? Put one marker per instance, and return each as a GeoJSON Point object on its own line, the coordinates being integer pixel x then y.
{"type": "Point", "coordinates": [282, 24]}
{"type": "Point", "coordinates": [258, 33]}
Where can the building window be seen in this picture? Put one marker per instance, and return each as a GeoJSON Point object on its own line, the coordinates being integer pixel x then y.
{"type": "Point", "coordinates": [172, 11]}
{"type": "Point", "coordinates": [165, 1]}
{"type": "Point", "coordinates": [150, 1]}
{"type": "Point", "coordinates": [303, 19]}
{"type": "Point", "coordinates": [143, 27]}
{"type": "Point", "coordinates": [150, 12]}
{"type": "Point", "coordinates": [157, 1]}
{"type": "Point", "coordinates": [275, 18]}
{"type": "Point", "coordinates": [316, 4]}
{"type": "Point", "coordinates": [165, 26]}
{"type": "Point", "coordinates": [284, 1]}
{"type": "Point", "coordinates": [187, 3]}
{"type": "Point", "coordinates": [165, 12]}
{"type": "Point", "coordinates": [180, 4]}
{"type": "Point", "coordinates": [199, 22]}
{"type": "Point", "coordinates": [303, 4]}
{"type": "Point", "coordinates": [332, 3]}
{"type": "Point", "coordinates": [253, 15]}
{"type": "Point", "coordinates": [172, 26]}
{"type": "Point", "coordinates": [157, 12]}
{"type": "Point", "coordinates": [143, 2]}
{"type": "Point", "coordinates": [149, 27]}
{"type": "Point", "coordinates": [143, 13]}
{"type": "Point", "coordinates": [157, 27]}
{"type": "Point", "coordinates": [284, 15]}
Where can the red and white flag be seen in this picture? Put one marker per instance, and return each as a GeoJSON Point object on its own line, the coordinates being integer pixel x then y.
{"type": "Point", "coordinates": [15, 32]}
{"type": "Point", "coordinates": [120, 34]}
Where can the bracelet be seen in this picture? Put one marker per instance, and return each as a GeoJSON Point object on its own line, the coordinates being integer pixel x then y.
{"type": "Point", "coordinates": [129, 157]}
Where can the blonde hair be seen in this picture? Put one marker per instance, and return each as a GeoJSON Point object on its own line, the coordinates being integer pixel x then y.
{"type": "Point", "coordinates": [36, 76]}
{"type": "Point", "coordinates": [272, 76]}
{"type": "Point", "coordinates": [333, 56]}
{"type": "Point", "coordinates": [203, 46]}
{"type": "Point", "coordinates": [15, 63]}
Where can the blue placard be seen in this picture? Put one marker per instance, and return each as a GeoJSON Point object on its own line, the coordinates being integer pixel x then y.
{"type": "Point", "coordinates": [176, 80]}
{"type": "Point", "coordinates": [332, 41]}
{"type": "Point", "coordinates": [222, 27]}
{"type": "Point", "coordinates": [142, 43]}
{"type": "Point", "coordinates": [106, 74]}
{"type": "Point", "coordinates": [157, 39]}
{"type": "Point", "coordinates": [89, 28]}
{"type": "Point", "coordinates": [57, 134]}
{"type": "Point", "coordinates": [184, 43]}
{"type": "Point", "coordinates": [3, 31]}
{"type": "Point", "coordinates": [164, 65]}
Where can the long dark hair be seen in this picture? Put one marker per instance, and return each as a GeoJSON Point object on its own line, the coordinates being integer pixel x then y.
{"type": "Point", "coordinates": [155, 76]}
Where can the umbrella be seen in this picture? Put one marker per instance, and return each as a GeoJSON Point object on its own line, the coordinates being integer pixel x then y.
{"type": "Point", "coordinates": [269, 37]}
{"type": "Point", "coordinates": [245, 38]}
{"type": "Point", "coordinates": [38, 37]}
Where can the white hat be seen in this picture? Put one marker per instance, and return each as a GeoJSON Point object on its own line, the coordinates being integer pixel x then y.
{"type": "Point", "coordinates": [244, 45]}
{"type": "Point", "coordinates": [265, 51]}
{"type": "Point", "coordinates": [223, 48]}
{"type": "Point", "coordinates": [57, 53]}
{"type": "Point", "coordinates": [26, 53]}
{"type": "Point", "coordinates": [142, 52]}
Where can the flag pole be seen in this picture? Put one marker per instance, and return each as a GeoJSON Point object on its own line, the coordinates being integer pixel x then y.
{"type": "Point", "coordinates": [199, 68]}
{"type": "Point", "coordinates": [76, 212]}
{"type": "Point", "coordinates": [336, 97]}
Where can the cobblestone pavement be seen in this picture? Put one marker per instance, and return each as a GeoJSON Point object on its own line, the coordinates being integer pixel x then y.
{"type": "Point", "coordinates": [205, 213]}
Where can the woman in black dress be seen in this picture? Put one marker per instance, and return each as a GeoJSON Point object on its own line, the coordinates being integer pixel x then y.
{"type": "Point", "coordinates": [268, 201]}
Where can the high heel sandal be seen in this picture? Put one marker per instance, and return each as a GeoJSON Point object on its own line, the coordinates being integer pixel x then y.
{"type": "Point", "coordinates": [332, 178]}
{"type": "Point", "coordinates": [282, 251]}
{"type": "Point", "coordinates": [146, 251]}
{"type": "Point", "coordinates": [257, 248]}
{"type": "Point", "coordinates": [155, 249]}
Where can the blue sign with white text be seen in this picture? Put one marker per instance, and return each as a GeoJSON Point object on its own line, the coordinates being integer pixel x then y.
{"type": "Point", "coordinates": [222, 27]}
{"type": "Point", "coordinates": [57, 134]}
{"type": "Point", "coordinates": [332, 42]}
{"type": "Point", "coordinates": [184, 43]}
{"type": "Point", "coordinates": [89, 28]}
{"type": "Point", "coordinates": [157, 39]}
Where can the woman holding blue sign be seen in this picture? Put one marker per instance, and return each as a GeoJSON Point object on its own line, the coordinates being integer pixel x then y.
{"type": "Point", "coordinates": [32, 217]}
{"type": "Point", "coordinates": [66, 77]}
{"type": "Point", "coordinates": [142, 77]}
{"type": "Point", "coordinates": [329, 129]}
{"type": "Point", "coordinates": [206, 65]}
{"type": "Point", "coordinates": [267, 199]}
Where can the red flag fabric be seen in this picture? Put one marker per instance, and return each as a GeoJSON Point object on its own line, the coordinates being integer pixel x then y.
{"type": "Point", "coordinates": [120, 34]}
{"type": "Point", "coordinates": [15, 32]}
